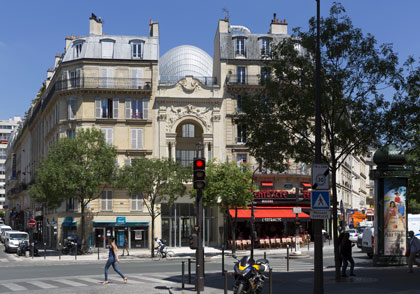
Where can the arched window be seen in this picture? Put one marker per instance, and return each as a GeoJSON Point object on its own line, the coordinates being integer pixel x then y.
{"type": "Point", "coordinates": [188, 131]}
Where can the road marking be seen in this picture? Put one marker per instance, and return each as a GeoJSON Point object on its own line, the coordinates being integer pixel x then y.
{"type": "Point", "coordinates": [129, 281]}
{"type": "Point", "coordinates": [4, 260]}
{"type": "Point", "coordinates": [14, 287]}
{"type": "Point", "coordinates": [70, 283]}
{"type": "Point", "coordinates": [41, 284]}
{"type": "Point", "coordinates": [90, 280]}
{"type": "Point", "coordinates": [155, 280]}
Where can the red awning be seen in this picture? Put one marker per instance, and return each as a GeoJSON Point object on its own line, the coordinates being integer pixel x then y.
{"type": "Point", "coordinates": [306, 185]}
{"type": "Point", "coordinates": [268, 212]}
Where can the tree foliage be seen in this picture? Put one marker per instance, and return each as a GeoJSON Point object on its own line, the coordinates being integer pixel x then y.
{"type": "Point", "coordinates": [354, 71]}
{"type": "Point", "coordinates": [158, 181]}
{"type": "Point", "coordinates": [78, 168]}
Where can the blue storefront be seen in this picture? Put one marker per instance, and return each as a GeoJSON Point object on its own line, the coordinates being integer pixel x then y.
{"type": "Point", "coordinates": [136, 232]}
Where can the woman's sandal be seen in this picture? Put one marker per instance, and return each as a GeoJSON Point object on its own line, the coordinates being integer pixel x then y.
{"type": "Point", "coordinates": [125, 280]}
{"type": "Point", "coordinates": [105, 282]}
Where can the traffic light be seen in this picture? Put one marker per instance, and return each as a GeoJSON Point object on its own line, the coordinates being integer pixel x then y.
{"type": "Point", "coordinates": [199, 173]}
{"type": "Point", "coordinates": [193, 241]}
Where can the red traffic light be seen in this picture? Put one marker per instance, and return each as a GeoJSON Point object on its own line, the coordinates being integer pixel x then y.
{"type": "Point", "coordinates": [199, 163]}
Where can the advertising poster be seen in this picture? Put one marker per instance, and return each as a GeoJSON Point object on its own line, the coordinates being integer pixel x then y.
{"type": "Point", "coordinates": [395, 216]}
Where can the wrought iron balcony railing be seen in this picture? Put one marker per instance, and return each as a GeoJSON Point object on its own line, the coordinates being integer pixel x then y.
{"type": "Point", "coordinates": [103, 83]}
{"type": "Point", "coordinates": [246, 80]}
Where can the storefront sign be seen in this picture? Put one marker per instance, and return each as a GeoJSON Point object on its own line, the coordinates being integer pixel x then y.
{"type": "Point", "coordinates": [270, 196]}
{"type": "Point", "coordinates": [395, 216]}
{"type": "Point", "coordinates": [120, 220]}
{"type": "Point", "coordinates": [269, 220]}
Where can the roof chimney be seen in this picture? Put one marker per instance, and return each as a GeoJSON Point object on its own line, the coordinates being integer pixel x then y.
{"type": "Point", "coordinates": [95, 25]}
{"type": "Point", "coordinates": [278, 28]}
{"type": "Point", "coordinates": [57, 59]}
{"type": "Point", "coordinates": [68, 42]}
{"type": "Point", "coordinates": [49, 75]}
{"type": "Point", "coordinates": [154, 29]}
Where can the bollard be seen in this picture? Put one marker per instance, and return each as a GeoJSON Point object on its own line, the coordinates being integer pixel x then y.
{"type": "Point", "coordinates": [225, 283]}
{"type": "Point", "coordinates": [182, 275]}
{"type": "Point", "coordinates": [223, 260]}
{"type": "Point", "coordinates": [45, 251]}
{"type": "Point", "coordinates": [59, 251]}
{"type": "Point", "coordinates": [32, 250]}
{"type": "Point", "coordinates": [75, 253]}
{"type": "Point", "coordinates": [265, 255]}
{"type": "Point", "coordinates": [270, 285]}
{"type": "Point", "coordinates": [98, 253]}
{"type": "Point", "coordinates": [287, 257]}
{"type": "Point", "coordinates": [189, 270]}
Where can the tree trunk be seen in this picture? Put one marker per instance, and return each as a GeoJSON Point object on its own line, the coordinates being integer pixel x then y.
{"type": "Point", "coordinates": [335, 229]}
{"type": "Point", "coordinates": [82, 223]}
{"type": "Point", "coordinates": [235, 221]}
{"type": "Point", "coordinates": [153, 231]}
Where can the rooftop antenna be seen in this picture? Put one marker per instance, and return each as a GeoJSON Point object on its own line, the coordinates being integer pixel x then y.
{"type": "Point", "coordinates": [226, 13]}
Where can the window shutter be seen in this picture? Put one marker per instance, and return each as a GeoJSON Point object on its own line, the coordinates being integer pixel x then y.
{"type": "Point", "coordinates": [65, 80]}
{"type": "Point", "coordinates": [104, 131]}
{"type": "Point", "coordinates": [139, 139]}
{"type": "Point", "coordinates": [103, 200]}
{"type": "Point", "coordinates": [127, 161]}
{"type": "Point", "coordinates": [127, 108]}
{"type": "Point", "coordinates": [78, 77]}
{"type": "Point", "coordinates": [98, 108]}
{"type": "Point", "coordinates": [133, 138]}
{"type": "Point", "coordinates": [133, 78]}
{"type": "Point", "coordinates": [71, 108]}
{"type": "Point", "coordinates": [110, 77]}
{"type": "Point", "coordinates": [110, 136]}
{"type": "Point", "coordinates": [109, 200]}
{"type": "Point", "coordinates": [145, 109]}
{"type": "Point", "coordinates": [115, 103]}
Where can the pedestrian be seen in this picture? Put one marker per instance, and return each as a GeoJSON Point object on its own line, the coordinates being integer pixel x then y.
{"type": "Point", "coordinates": [125, 247]}
{"type": "Point", "coordinates": [413, 249]}
{"type": "Point", "coordinates": [113, 260]}
{"type": "Point", "coordinates": [339, 240]}
{"type": "Point", "coordinates": [346, 247]}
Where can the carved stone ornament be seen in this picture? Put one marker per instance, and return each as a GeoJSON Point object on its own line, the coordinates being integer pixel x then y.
{"type": "Point", "coordinates": [189, 84]}
{"type": "Point", "coordinates": [203, 114]}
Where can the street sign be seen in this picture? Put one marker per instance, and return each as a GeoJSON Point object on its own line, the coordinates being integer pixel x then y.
{"type": "Point", "coordinates": [320, 200]}
{"type": "Point", "coordinates": [320, 214]}
{"type": "Point", "coordinates": [32, 223]}
{"type": "Point", "coordinates": [320, 177]}
{"type": "Point", "coordinates": [297, 209]}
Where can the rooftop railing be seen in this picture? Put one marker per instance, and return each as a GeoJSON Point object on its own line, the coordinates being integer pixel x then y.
{"type": "Point", "coordinates": [103, 83]}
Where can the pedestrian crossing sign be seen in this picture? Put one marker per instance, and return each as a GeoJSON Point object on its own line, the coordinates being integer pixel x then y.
{"type": "Point", "coordinates": [320, 200]}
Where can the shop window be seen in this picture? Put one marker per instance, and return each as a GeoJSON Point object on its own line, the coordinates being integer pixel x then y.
{"type": "Point", "coordinates": [137, 202]}
{"type": "Point", "coordinates": [106, 201]}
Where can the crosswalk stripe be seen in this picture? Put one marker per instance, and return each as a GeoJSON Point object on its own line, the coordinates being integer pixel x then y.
{"type": "Point", "coordinates": [70, 283]}
{"type": "Point", "coordinates": [91, 280]}
{"type": "Point", "coordinates": [41, 284]}
{"type": "Point", "coordinates": [14, 287]}
{"type": "Point", "coordinates": [155, 280]}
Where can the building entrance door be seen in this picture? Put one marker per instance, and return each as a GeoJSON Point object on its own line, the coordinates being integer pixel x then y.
{"type": "Point", "coordinates": [186, 224]}
{"type": "Point", "coordinates": [120, 238]}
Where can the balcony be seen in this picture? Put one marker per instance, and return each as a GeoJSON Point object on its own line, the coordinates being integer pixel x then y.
{"type": "Point", "coordinates": [104, 83]}
{"type": "Point", "coordinates": [173, 80]}
{"type": "Point", "coordinates": [244, 81]}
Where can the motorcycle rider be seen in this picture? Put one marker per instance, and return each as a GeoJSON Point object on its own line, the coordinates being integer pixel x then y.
{"type": "Point", "coordinates": [161, 246]}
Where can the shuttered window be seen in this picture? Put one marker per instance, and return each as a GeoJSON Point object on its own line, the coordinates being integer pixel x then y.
{"type": "Point", "coordinates": [136, 109]}
{"type": "Point", "coordinates": [137, 202]}
{"type": "Point", "coordinates": [136, 138]}
{"type": "Point", "coordinates": [106, 201]}
{"type": "Point", "coordinates": [115, 103]}
{"type": "Point", "coordinates": [109, 135]}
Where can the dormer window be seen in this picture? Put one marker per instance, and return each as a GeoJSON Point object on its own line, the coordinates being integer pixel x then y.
{"type": "Point", "coordinates": [77, 49]}
{"type": "Point", "coordinates": [107, 48]}
{"type": "Point", "coordinates": [137, 47]}
{"type": "Point", "coordinates": [265, 47]}
{"type": "Point", "coordinates": [239, 46]}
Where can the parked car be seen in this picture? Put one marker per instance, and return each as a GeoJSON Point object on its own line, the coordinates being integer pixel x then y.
{"type": "Point", "coordinates": [368, 241]}
{"type": "Point", "coordinates": [13, 238]}
{"type": "Point", "coordinates": [3, 229]}
{"type": "Point", "coordinates": [359, 239]}
{"type": "Point", "coordinates": [353, 235]}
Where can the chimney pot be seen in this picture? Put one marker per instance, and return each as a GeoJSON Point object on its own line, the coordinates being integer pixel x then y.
{"type": "Point", "coordinates": [95, 25]}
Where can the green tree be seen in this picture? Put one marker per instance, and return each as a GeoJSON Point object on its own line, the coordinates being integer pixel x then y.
{"type": "Point", "coordinates": [354, 71]}
{"type": "Point", "coordinates": [78, 168]}
{"type": "Point", "coordinates": [158, 180]}
{"type": "Point", "coordinates": [228, 186]}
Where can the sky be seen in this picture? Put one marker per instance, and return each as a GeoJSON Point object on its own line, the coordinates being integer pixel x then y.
{"type": "Point", "coordinates": [33, 32]}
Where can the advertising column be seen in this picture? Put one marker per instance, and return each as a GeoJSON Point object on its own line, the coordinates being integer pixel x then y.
{"type": "Point", "coordinates": [391, 178]}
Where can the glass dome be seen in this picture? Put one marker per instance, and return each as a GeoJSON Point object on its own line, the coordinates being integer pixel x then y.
{"type": "Point", "coordinates": [184, 61]}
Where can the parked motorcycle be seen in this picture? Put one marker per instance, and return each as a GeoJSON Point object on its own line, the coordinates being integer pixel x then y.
{"type": "Point", "coordinates": [249, 275]}
{"type": "Point", "coordinates": [23, 247]}
{"type": "Point", "coordinates": [70, 246]}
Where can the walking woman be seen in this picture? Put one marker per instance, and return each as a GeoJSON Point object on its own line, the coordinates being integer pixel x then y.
{"type": "Point", "coordinates": [113, 260]}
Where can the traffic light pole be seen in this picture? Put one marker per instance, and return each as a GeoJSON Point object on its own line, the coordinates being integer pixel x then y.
{"type": "Point", "coordinates": [199, 269]}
